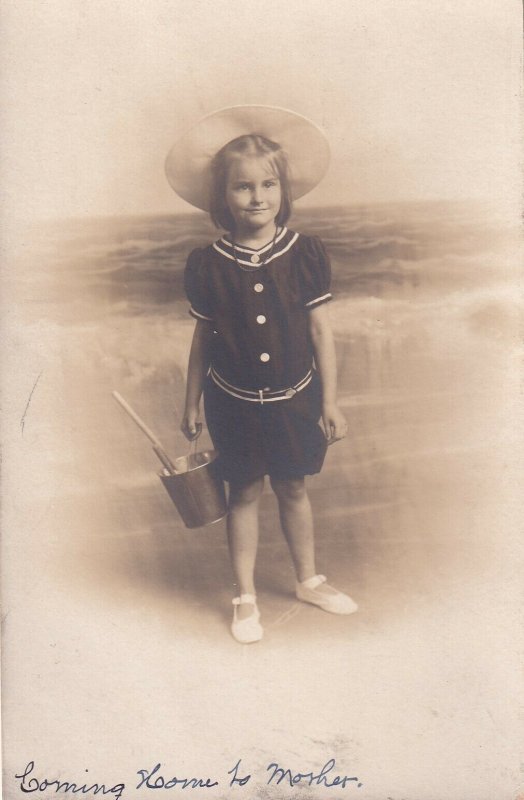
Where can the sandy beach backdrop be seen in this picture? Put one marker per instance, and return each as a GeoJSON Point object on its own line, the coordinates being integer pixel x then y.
{"type": "Point", "coordinates": [118, 651]}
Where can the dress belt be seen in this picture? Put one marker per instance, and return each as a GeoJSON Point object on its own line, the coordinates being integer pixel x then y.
{"type": "Point", "coordinates": [261, 395]}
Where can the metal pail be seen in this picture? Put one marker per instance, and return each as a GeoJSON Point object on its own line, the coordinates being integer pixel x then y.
{"type": "Point", "coordinates": [197, 490]}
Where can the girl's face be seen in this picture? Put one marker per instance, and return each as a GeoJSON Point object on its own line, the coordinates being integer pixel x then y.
{"type": "Point", "coordinates": [253, 195]}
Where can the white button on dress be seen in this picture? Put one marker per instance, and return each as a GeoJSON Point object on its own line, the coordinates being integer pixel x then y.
{"type": "Point", "coordinates": [255, 259]}
{"type": "Point", "coordinates": [258, 287]}
{"type": "Point", "coordinates": [264, 357]}
{"type": "Point", "coordinates": [261, 319]}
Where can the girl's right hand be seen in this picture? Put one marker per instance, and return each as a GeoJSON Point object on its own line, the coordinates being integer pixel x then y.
{"type": "Point", "coordinates": [190, 427]}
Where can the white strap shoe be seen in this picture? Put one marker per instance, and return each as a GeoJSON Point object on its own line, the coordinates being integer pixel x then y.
{"type": "Point", "coordinates": [246, 630]}
{"type": "Point", "coordinates": [333, 601]}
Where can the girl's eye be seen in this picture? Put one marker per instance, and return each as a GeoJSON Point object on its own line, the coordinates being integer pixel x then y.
{"type": "Point", "coordinates": [269, 184]}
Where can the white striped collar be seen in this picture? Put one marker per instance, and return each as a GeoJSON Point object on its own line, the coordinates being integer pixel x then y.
{"type": "Point", "coordinates": [284, 241]}
{"type": "Point", "coordinates": [225, 240]}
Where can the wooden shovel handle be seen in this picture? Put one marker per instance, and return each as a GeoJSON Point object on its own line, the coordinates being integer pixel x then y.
{"type": "Point", "coordinates": [157, 446]}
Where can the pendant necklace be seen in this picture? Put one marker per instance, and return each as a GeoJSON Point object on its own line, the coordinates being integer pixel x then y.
{"type": "Point", "coordinates": [256, 267]}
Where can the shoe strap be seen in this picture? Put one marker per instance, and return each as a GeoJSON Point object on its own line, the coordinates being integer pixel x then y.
{"type": "Point", "coordinates": [244, 598]}
{"type": "Point", "coordinates": [312, 583]}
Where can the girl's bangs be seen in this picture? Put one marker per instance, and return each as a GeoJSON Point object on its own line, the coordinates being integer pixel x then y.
{"type": "Point", "coordinates": [270, 159]}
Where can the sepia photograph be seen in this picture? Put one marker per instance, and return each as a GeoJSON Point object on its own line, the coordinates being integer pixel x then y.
{"type": "Point", "coordinates": [261, 353]}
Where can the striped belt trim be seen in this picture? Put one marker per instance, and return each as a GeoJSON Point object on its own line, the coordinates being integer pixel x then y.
{"type": "Point", "coordinates": [262, 395]}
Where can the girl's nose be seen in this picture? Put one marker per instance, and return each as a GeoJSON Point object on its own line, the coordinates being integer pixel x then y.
{"type": "Point", "coordinates": [256, 196]}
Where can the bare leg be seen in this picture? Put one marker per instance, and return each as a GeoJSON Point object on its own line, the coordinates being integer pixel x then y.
{"type": "Point", "coordinates": [296, 519]}
{"type": "Point", "coordinates": [242, 531]}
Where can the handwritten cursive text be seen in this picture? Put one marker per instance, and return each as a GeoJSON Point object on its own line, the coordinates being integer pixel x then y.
{"type": "Point", "coordinates": [160, 782]}
{"type": "Point", "coordinates": [43, 785]}
{"type": "Point", "coordinates": [278, 774]}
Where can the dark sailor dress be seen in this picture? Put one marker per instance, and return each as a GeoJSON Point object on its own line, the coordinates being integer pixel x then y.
{"type": "Point", "coordinates": [262, 396]}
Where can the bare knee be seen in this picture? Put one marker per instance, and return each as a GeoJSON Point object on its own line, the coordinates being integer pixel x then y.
{"type": "Point", "coordinates": [289, 490]}
{"type": "Point", "coordinates": [245, 495]}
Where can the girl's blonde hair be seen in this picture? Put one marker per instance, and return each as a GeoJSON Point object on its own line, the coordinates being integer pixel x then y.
{"type": "Point", "coordinates": [249, 146]}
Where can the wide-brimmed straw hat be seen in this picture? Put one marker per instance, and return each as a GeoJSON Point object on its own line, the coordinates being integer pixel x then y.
{"type": "Point", "coordinates": [189, 160]}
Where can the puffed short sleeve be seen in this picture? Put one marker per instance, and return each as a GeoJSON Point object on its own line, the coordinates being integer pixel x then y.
{"type": "Point", "coordinates": [197, 287]}
{"type": "Point", "coordinates": [315, 271]}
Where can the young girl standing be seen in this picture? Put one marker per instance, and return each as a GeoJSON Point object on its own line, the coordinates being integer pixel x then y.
{"type": "Point", "coordinates": [262, 354]}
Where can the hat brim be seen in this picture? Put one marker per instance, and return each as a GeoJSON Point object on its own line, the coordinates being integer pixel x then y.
{"type": "Point", "coordinates": [189, 160]}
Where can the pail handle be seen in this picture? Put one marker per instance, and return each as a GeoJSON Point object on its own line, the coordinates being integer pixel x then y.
{"type": "Point", "coordinates": [192, 447]}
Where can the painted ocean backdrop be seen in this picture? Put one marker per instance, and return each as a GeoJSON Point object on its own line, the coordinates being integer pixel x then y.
{"type": "Point", "coordinates": [133, 265]}
{"type": "Point", "coordinates": [416, 276]}
{"type": "Point", "coordinates": [425, 306]}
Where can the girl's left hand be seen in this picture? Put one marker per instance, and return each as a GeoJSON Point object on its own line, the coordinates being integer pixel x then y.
{"type": "Point", "coordinates": [334, 421]}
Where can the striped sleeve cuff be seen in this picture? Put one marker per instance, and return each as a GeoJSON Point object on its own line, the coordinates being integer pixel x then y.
{"type": "Point", "coordinates": [319, 300]}
{"type": "Point", "coordinates": [197, 315]}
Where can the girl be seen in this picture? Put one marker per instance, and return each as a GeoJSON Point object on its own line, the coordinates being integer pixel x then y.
{"type": "Point", "coordinates": [262, 353]}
